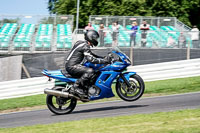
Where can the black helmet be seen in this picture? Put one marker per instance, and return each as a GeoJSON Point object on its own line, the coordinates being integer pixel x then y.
{"type": "Point", "coordinates": [92, 37]}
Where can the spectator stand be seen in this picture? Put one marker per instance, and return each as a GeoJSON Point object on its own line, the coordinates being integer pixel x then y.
{"type": "Point", "coordinates": [23, 38]}
{"type": "Point", "coordinates": [161, 28]}
{"type": "Point", "coordinates": [7, 32]}
{"type": "Point", "coordinates": [35, 33]}
{"type": "Point", "coordinates": [64, 36]}
{"type": "Point", "coordinates": [44, 37]}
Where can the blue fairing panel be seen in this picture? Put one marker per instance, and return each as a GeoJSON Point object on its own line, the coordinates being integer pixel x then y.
{"type": "Point", "coordinates": [57, 74]}
{"type": "Point", "coordinates": [104, 82]}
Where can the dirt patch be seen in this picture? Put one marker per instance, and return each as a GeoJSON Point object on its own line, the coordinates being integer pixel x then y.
{"type": "Point", "coordinates": [153, 95]}
{"type": "Point", "coordinates": [23, 109]}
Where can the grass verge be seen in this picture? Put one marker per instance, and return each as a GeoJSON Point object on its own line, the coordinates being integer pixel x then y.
{"type": "Point", "coordinates": [164, 87]}
{"type": "Point", "coordinates": [184, 121]}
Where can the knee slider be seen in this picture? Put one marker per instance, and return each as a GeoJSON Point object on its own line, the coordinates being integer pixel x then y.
{"type": "Point", "coordinates": [90, 71]}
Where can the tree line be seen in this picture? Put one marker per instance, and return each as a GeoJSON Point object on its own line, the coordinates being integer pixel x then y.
{"type": "Point", "coordinates": [187, 11]}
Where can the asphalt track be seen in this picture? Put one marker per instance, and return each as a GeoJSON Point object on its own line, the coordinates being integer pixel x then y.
{"type": "Point", "coordinates": [106, 109]}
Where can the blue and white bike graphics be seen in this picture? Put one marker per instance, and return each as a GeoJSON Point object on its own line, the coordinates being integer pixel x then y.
{"type": "Point", "coordinates": [128, 85]}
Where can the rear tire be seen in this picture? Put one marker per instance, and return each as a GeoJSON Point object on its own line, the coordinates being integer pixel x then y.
{"type": "Point", "coordinates": [60, 105]}
{"type": "Point", "coordinates": [133, 93]}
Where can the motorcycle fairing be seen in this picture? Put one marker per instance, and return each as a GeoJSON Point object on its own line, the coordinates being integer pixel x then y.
{"type": "Point", "coordinates": [57, 74]}
{"type": "Point", "coordinates": [116, 66]}
{"type": "Point", "coordinates": [127, 76]}
{"type": "Point", "coordinates": [104, 81]}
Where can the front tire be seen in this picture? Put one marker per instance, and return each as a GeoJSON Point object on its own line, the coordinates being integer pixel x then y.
{"type": "Point", "coordinates": [132, 93]}
{"type": "Point", "coordinates": [60, 105]}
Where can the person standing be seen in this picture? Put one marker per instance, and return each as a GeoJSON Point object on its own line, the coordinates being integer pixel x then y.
{"type": "Point", "coordinates": [195, 36]}
{"type": "Point", "coordinates": [115, 34]}
{"type": "Point", "coordinates": [182, 41]}
{"type": "Point", "coordinates": [102, 34]}
{"type": "Point", "coordinates": [134, 29]}
{"type": "Point", "coordinates": [144, 27]}
{"type": "Point", "coordinates": [170, 42]}
{"type": "Point", "coordinates": [89, 27]}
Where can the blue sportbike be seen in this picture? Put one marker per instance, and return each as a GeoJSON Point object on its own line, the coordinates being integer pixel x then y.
{"type": "Point", "coordinates": [128, 85]}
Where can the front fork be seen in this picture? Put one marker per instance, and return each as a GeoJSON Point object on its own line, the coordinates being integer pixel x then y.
{"type": "Point", "coordinates": [125, 80]}
{"type": "Point", "coordinates": [125, 77]}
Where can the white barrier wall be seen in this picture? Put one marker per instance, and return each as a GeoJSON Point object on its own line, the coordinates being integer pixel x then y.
{"type": "Point", "coordinates": [168, 70]}
{"type": "Point", "coordinates": [10, 68]}
{"type": "Point", "coordinates": [149, 72]}
{"type": "Point", "coordinates": [24, 87]}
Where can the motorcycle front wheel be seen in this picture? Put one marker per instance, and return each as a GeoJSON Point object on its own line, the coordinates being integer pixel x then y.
{"type": "Point", "coordinates": [60, 105]}
{"type": "Point", "coordinates": [130, 93]}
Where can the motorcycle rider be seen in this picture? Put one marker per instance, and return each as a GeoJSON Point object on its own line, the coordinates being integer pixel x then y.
{"type": "Point", "coordinates": [79, 52]}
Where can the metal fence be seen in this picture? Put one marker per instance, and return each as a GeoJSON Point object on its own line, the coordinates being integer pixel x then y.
{"type": "Point", "coordinates": [165, 32]}
{"type": "Point", "coordinates": [152, 39]}
{"type": "Point", "coordinates": [163, 40]}
{"type": "Point", "coordinates": [34, 43]}
{"type": "Point", "coordinates": [52, 43]}
{"type": "Point", "coordinates": [127, 20]}
{"type": "Point", "coordinates": [36, 19]}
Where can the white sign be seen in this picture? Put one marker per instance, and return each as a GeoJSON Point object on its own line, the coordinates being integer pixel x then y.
{"type": "Point", "coordinates": [98, 18]}
{"type": "Point", "coordinates": [63, 17]}
{"type": "Point", "coordinates": [28, 17]}
{"type": "Point", "coordinates": [133, 19]}
{"type": "Point", "coordinates": [167, 20]}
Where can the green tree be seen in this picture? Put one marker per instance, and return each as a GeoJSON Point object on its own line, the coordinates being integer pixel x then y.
{"type": "Point", "coordinates": [47, 20]}
{"type": "Point", "coordinates": [186, 11]}
{"type": "Point", "coordinates": [10, 20]}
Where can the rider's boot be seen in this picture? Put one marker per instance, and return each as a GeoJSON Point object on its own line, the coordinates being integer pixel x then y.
{"type": "Point", "coordinates": [76, 90]}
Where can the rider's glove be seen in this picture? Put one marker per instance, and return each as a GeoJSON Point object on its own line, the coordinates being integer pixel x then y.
{"type": "Point", "coordinates": [108, 59]}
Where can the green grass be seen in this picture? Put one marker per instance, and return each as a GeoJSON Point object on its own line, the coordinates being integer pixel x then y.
{"type": "Point", "coordinates": [185, 121]}
{"type": "Point", "coordinates": [173, 86]}
{"type": "Point", "coordinates": [165, 87]}
{"type": "Point", "coordinates": [28, 101]}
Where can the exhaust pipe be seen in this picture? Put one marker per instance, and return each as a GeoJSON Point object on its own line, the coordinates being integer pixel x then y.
{"type": "Point", "coordinates": [58, 93]}
{"type": "Point", "coordinates": [63, 94]}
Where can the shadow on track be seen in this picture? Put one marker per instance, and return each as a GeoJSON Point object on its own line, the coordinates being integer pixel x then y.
{"type": "Point", "coordinates": [109, 108]}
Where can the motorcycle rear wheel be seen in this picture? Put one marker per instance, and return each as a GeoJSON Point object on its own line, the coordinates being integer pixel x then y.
{"type": "Point", "coordinates": [60, 105]}
{"type": "Point", "coordinates": [134, 92]}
